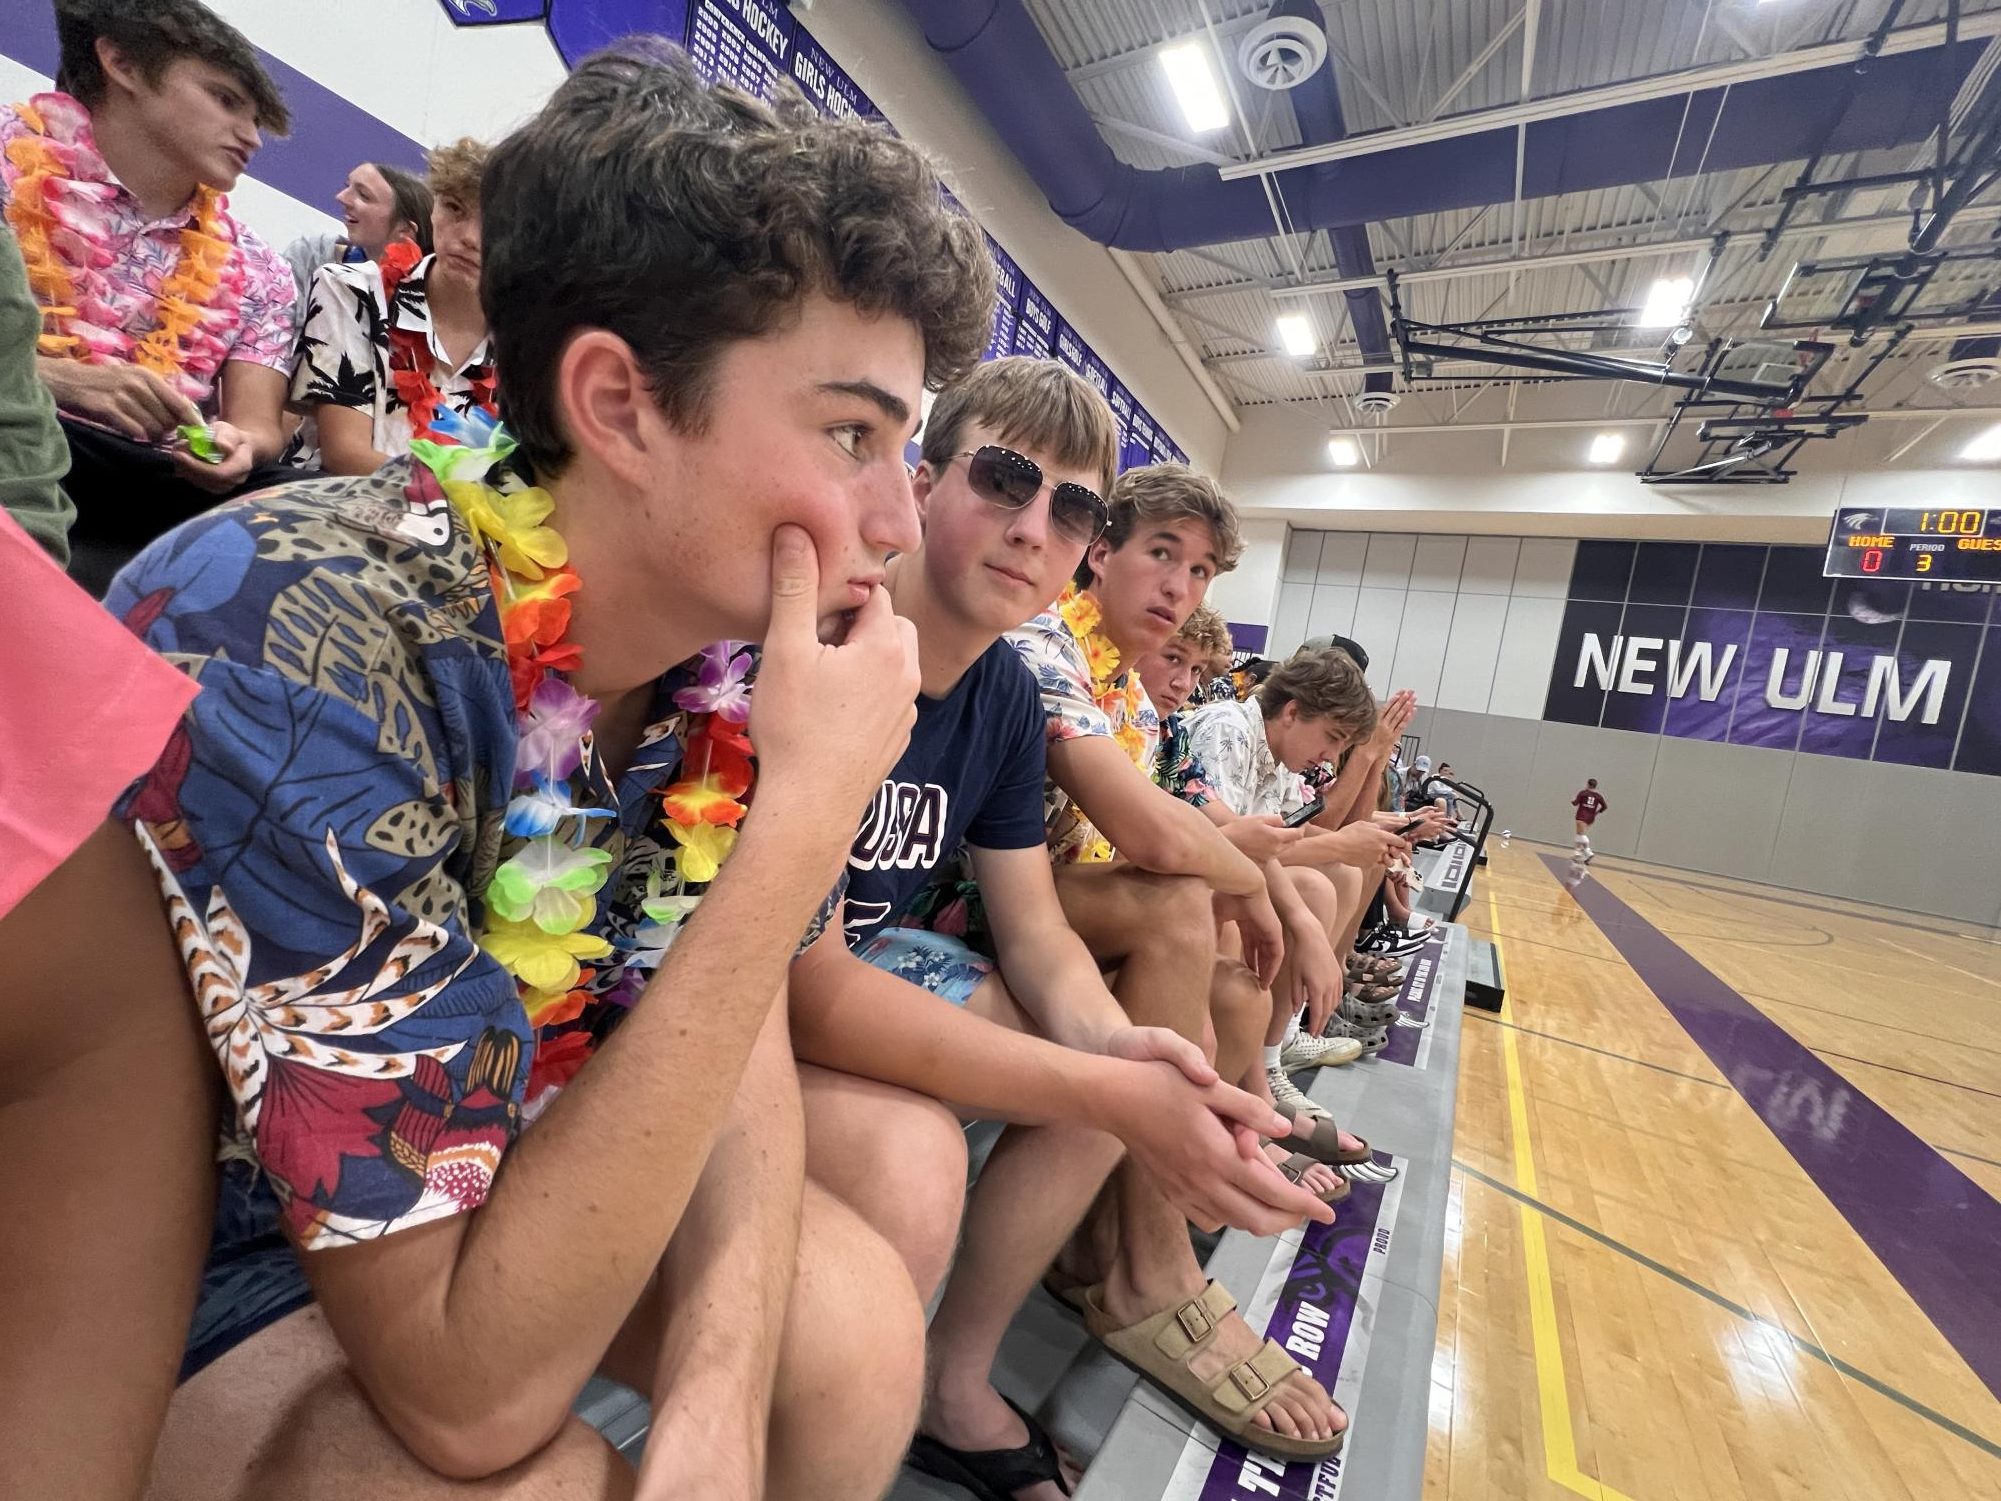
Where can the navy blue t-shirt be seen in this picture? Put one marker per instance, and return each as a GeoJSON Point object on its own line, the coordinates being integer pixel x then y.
{"type": "Point", "coordinates": [972, 774]}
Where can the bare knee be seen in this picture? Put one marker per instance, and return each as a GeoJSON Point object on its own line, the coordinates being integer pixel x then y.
{"type": "Point", "coordinates": [1238, 1007]}
{"type": "Point", "coordinates": [1159, 911]}
{"type": "Point", "coordinates": [280, 1416]}
{"type": "Point", "coordinates": [1320, 893]}
{"type": "Point", "coordinates": [852, 1371]}
{"type": "Point", "coordinates": [896, 1158]}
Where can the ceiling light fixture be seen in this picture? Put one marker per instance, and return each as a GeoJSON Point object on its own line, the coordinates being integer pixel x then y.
{"type": "Point", "coordinates": [1606, 448]}
{"type": "Point", "coordinates": [1295, 333]}
{"type": "Point", "coordinates": [1984, 449]}
{"type": "Point", "coordinates": [1193, 79]}
{"type": "Point", "coordinates": [1344, 452]}
{"type": "Point", "coordinates": [1667, 303]}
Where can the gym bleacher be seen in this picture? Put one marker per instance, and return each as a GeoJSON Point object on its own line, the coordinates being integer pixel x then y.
{"type": "Point", "coordinates": [1354, 1302]}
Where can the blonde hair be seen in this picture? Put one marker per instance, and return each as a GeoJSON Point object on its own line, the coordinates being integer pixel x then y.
{"type": "Point", "coordinates": [1171, 492]}
{"type": "Point", "coordinates": [1206, 630]}
{"type": "Point", "coordinates": [453, 171]}
{"type": "Point", "coordinates": [1029, 404]}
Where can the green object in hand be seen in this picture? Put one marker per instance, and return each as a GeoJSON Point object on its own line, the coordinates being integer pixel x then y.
{"type": "Point", "coordinates": [201, 443]}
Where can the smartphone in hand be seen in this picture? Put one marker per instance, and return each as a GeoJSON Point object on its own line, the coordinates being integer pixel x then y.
{"type": "Point", "coordinates": [1307, 814]}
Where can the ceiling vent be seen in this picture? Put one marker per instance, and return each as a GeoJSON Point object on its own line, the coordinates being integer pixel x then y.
{"type": "Point", "coordinates": [1282, 53]}
{"type": "Point", "coordinates": [1965, 375]}
{"type": "Point", "coordinates": [1374, 402]}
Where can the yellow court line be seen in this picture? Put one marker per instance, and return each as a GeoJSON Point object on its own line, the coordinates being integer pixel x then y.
{"type": "Point", "coordinates": [1559, 1440]}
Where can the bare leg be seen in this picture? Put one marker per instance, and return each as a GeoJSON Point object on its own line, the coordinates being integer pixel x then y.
{"type": "Point", "coordinates": [1161, 933]}
{"type": "Point", "coordinates": [896, 1158]}
{"type": "Point", "coordinates": [1356, 888]}
{"type": "Point", "coordinates": [108, 1112]}
{"type": "Point", "coordinates": [1036, 1185]}
{"type": "Point", "coordinates": [280, 1416]}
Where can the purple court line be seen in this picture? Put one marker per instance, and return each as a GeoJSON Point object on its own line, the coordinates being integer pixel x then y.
{"type": "Point", "coordinates": [1933, 1227]}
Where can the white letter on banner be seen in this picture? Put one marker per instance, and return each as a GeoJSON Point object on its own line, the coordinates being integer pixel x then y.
{"type": "Point", "coordinates": [1683, 669]}
{"type": "Point", "coordinates": [1830, 684]}
{"type": "Point", "coordinates": [1254, 1478]}
{"type": "Point", "coordinates": [1637, 663]}
{"type": "Point", "coordinates": [1782, 700]}
{"type": "Point", "coordinates": [1593, 662]}
{"type": "Point", "coordinates": [1932, 678]}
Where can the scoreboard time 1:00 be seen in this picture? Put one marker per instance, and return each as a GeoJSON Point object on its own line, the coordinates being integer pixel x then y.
{"type": "Point", "coordinates": [1955, 543]}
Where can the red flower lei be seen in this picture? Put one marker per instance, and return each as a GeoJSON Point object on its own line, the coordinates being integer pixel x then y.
{"type": "Point", "coordinates": [410, 361]}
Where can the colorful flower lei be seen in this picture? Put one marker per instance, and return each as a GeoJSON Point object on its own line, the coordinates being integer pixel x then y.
{"type": "Point", "coordinates": [57, 206]}
{"type": "Point", "coordinates": [410, 360]}
{"type": "Point", "coordinates": [542, 898]}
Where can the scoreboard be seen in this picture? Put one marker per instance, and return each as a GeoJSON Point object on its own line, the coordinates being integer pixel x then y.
{"type": "Point", "coordinates": [1956, 544]}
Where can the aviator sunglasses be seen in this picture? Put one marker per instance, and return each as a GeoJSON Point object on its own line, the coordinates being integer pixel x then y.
{"type": "Point", "coordinates": [1002, 477]}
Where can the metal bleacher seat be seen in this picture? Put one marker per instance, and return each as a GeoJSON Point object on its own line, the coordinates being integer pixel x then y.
{"type": "Point", "coordinates": [1355, 1302]}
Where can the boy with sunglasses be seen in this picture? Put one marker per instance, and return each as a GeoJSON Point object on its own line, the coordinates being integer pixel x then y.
{"type": "Point", "coordinates": [1021, 1028]}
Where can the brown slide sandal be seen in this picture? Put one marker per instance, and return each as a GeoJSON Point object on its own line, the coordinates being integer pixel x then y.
{"type": "Point", "coordinates": [1296, 1167]}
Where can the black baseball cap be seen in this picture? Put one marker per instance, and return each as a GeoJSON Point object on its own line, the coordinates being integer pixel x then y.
{"type": "Point", "coordinates": [1352, 648]}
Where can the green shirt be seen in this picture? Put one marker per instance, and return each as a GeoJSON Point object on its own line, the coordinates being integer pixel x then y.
{"type": "Point", "coordinates": [33, 453]}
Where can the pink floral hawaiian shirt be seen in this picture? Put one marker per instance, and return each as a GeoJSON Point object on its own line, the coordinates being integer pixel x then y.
{"type": "Point", "coordinates": [145, 252]}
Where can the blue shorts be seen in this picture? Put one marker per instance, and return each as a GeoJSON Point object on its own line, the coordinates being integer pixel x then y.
{"type": "Point", "coordinates": [930, 961]}
{"type": "Point", "coordinates": [252, 1277]}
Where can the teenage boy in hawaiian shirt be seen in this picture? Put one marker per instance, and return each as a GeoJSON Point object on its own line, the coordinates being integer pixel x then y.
{"type": "Point", "coordinates": [1015, 459]}
{"type": "Point", "coordinates": [159, 109]}
{"type": "Point", "coordinates": [491, 1203]}
{"type": "Point", "coordinates": [1152, 913]}
{"type": "Point", "coordinates": [1312, 708]}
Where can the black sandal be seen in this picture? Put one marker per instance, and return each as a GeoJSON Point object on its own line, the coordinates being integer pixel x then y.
{"type": "Point", "coordinates": [992, 1474]}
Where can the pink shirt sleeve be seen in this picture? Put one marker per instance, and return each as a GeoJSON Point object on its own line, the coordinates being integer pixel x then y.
{"type": "Point", "coordinates": [85, 707]}
{"type": "Point", "coordinates": [268, 325]}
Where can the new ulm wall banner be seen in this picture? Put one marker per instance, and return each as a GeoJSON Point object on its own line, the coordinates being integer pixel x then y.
{"type": "Point", "coordinates": [1752, 646]}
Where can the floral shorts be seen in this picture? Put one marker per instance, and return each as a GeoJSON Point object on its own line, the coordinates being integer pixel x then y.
{"type": "Point", "coordinates": [931, 961]}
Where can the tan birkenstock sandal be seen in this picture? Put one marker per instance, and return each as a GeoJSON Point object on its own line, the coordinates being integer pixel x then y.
{"type": "Point", "coordinates": [1160, 1347]}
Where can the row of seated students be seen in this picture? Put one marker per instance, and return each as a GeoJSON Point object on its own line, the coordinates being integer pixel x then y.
{"type": "Point", "coordinates": [576, 990]}
{"type": "Point", "coordinates": [176, 316]}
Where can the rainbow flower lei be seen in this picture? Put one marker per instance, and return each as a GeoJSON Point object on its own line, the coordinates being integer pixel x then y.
{"type": "Point", "coordinates": [58, 207]}
{"type": "Point", "coordinates": [542, 898]}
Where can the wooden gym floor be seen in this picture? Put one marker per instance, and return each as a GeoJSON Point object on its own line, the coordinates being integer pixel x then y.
{"type": "Point", "coordinates": [1678, 1199]}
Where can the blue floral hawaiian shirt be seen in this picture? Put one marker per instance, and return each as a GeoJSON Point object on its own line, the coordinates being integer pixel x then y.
{"type": "Point", "coordinates": [322, 823]}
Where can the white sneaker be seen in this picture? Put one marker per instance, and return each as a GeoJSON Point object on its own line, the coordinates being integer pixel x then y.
{"type": "Point", "coordinates": [1304, 1052]}
{"type": "Point", "coordinates": [1290, 1099]}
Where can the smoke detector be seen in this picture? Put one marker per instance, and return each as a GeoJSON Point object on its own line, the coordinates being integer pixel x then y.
{"type": "Point", "coordinates": [1374, 402]}
{"type": "Point", "coordinates": [1964, 375]}
{"type": "Point", "coordinates": [1281, 53]}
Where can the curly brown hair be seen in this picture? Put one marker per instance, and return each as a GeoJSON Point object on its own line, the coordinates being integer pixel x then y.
{"type": "Point", "coordinates": [684, 218]}
{"type": "Point", "coordinates": [1326, 684]}
{"type": "Point", "coordinates": [152, 35]}
{"type": "Point", "coordinates": [1207, 632]}
{"type": "Point", "coordinates": [453, 171]}
{"type": "Point", "coordinates": [1170, 492]}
